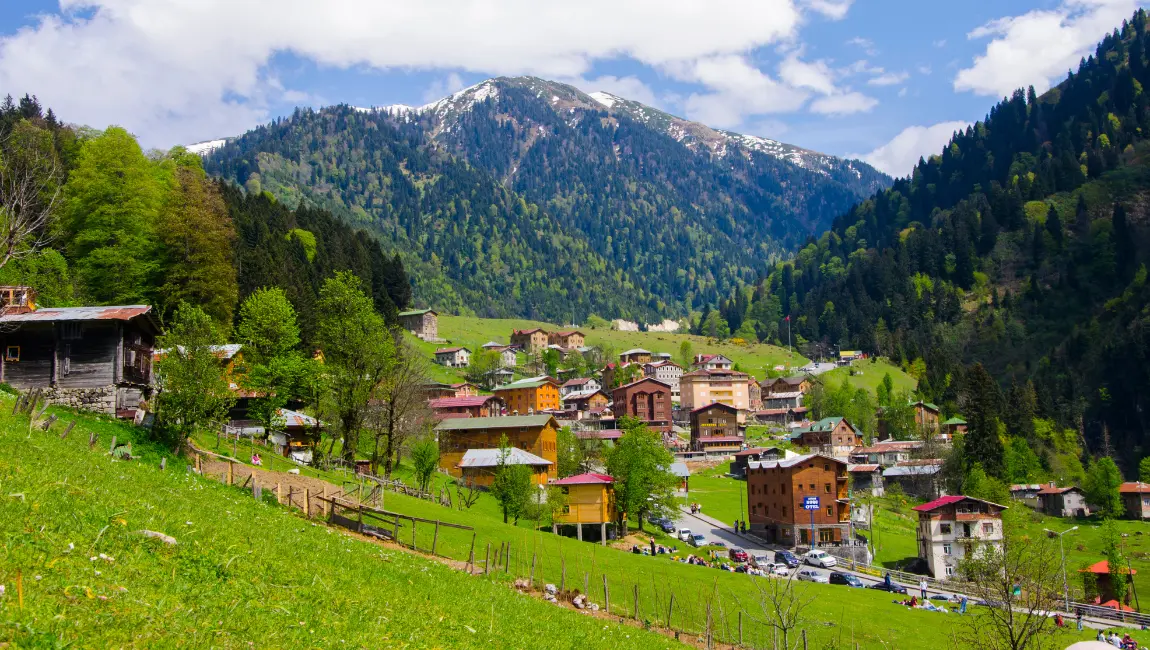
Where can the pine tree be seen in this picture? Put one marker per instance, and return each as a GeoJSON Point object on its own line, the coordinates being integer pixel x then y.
{"type": "Point", "coordinates": [983, 404]}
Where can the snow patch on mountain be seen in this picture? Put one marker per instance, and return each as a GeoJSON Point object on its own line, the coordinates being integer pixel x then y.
{"type": "Point", "coordinates": [205, 148]}
{"type": "Point", "coordinates": [606, 99]}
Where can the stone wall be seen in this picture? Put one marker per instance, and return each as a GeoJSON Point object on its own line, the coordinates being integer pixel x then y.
{"type": "Point", "coordinates": [100, 400]}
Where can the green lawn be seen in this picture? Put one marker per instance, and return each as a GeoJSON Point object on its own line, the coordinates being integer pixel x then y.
{"type": "Point", "coordinates": [722, 497]}
{"type": "Point", "coordinates": [868, 374]}
{"type": "Point", "coordinates": [474, 332]}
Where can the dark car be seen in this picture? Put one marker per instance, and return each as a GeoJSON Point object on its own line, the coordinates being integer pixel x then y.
{"type": "Point", "coordinates": [738, 555]}
{"type": "Point", "coordinates": [893, 587]}
{"type": "Point", "coordinates": [840, 578]}
{"type": "Point", "coordinates": [668, 526]}
{"type": "Point", "coordinates": [787, 558]}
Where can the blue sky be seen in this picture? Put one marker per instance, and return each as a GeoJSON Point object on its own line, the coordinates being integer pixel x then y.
{"type": "Point", "coordinates": [885, 80]}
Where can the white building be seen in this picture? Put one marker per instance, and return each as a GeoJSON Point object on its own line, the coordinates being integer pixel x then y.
{"type": "Point", "coordinates": [950, 528]}
{"type": "Point", "coordinates": [667, 372]}
{"type": "Point", "coordinates": [453, 357]}
{"type": "Point", "coordinates": [712, 362]}
{"type": "Point", "coordinates": [579, 385]}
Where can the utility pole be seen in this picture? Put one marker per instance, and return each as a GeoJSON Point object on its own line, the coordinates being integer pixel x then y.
{"type": "Point", "coordinates": [1062, 550]}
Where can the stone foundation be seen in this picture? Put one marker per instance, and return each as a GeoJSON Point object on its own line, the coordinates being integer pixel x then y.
{"type": "Point", "coordinates": [99, 400]}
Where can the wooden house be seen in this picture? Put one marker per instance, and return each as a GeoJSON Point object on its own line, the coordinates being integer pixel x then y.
{"type": "Point", "coordinates": [1136, 498]}
{"type": "Point", "coordinates": [584, 402]}
{"type": "Point", "coordinates": [423, 323]}
{"type": "Point", "coordinates": [635, 355]}
{"type": "Point", "coordinates": [476, 406]}
{"type": "Point", "coordinates": [867, 477]}
{"type": "Point", "coordinates": [777, 491]}
{"type": "Point", "coordinates": [531, 341]}
{"type": "Point", "coordinates": [590, 500]}
{"type": "Point", "coordinates": [455, 357]}
{"type": "Point", "coordinates": [532, 433]}
{"type": "Point", "coordinates": [799, 383]}
{"type": "Point", "coordinates": [830, 436]}
{"type": "Point", "coordinates": [715, 429]}
{"type": "Point", "coordinates": [530, 395]}
{"type": "Point", "coordinates": [1067, 501]}
{"type": "Point", "coordinates": [648, 400]}
{"type": "Point", "coordinates": [478, 466]}
{"type": "Point", "coordinates": [568, 340]}
{"type": "Point", "coordinates": [92, 358]}
{"type": "Point", "coordinates": [740, 459]}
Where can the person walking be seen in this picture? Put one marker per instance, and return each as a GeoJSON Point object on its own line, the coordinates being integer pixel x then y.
{"type": "Point", "coordinates": [922, 587]}
{"type": "Point", "coordinates": [886, 580]}
{"type": "Point", "coordinates": [1078, 618]}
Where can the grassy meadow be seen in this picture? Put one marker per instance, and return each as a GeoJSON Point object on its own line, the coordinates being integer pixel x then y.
{"type": "Point", "coordinates": [868, 374]}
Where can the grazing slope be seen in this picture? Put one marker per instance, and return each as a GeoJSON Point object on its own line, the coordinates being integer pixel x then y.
{"type": "Point", "coordinates": [524, 197]}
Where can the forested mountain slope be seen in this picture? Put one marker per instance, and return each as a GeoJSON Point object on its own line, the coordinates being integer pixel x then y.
{"type": "Point", "coordinates": [523, 197]}
{"type": "Point", "coordinates": [1021, 246]}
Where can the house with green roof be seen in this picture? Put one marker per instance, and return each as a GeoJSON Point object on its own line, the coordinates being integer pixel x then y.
{"type": "Point", "coordinates": [423, 323]}
{"type": "Point", "coordinates": [830, 436]}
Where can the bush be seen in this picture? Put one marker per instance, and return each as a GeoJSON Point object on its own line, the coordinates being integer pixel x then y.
{"type": "Point", "coordinates": [5, 387]}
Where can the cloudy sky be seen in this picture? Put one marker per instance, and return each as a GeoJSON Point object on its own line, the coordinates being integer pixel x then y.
{"type": "Point", "coordinates": [884, 80]}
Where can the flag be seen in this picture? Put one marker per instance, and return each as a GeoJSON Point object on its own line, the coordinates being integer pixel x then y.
{"type": "Point", "coordinates": [788, 318]}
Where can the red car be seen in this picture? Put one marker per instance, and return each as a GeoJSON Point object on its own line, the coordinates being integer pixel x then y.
{"type": "Point", "coordinates": [737, 554]}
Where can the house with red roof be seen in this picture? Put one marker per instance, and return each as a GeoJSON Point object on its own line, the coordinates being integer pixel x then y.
{"type": "Point", "coordinates": [953, 527]}
{"type": "Point", "coordinates": [1104, 585]}
{"type": "Point", "coordinates": [1136, 498]}
{"type": "Point", "coordinates": [568, 340]}
{"type": "Point", "coordinates": [531, 341]}
{"type": "Point", "coordinates": [589, 499]}
{"type": "Point", "coordinates": [474, 406]}
{"type": "Point", "coordinates": [1067, 501]}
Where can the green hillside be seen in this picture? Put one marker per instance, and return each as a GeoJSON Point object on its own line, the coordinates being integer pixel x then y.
{"type": "Point", "coordinates": [868, 374]}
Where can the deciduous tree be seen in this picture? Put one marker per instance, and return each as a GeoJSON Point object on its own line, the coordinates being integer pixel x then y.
{"type": "Point", "coordinates": [194, 393]}
{"type": "Point", "coordinates": [640, 465]}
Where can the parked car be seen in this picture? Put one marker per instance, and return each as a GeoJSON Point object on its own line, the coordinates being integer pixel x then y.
{"type": "Point", "coordinates": [685, 534]}
{"type": "Point", "coordinates": [778, 570]}
{"type": "Point", "coordinates": [840, 578]}
{"type": "Point", "coordinates": [787, 558]}
{"type": "Point", "coordinates": [810, 575]}
{"type": "Point", "coordinates": [761, 561]}
{"type": "Point", "coordinates": [820, 558]}
{"type": "Point", "coordinates": [698, 540]}
{"type": "Point", "coordinates": [893, 588]}
{"type": "Point", "coordinates": [738, 555]}
{"type": "Point", "coordinates": [668, 526]}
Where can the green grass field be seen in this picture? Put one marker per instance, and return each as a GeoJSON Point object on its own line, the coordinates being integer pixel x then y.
{"type": "Point", "coordinates": [247, 571]}
{"type": "Point", "coordinates": [868, 374]}
{"type": "Point", "coordinates": [474, 332]}
{"type": "Point", "coordinates": [722, 497]}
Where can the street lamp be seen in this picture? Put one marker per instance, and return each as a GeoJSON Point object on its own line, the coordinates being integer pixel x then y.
{"type": "Point", "coordinates": [1062, 550]}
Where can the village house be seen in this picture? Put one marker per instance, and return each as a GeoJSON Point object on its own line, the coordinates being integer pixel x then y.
{"type": "Point", "coordinates": [568, 340]}
{"type": "Point", "coordinates": [1105, 587]}
{"type": "Point", "coordinates": [532, 341]}
{"type": "Point", "coordinates": [777, 491]}
{"type": "Point", "coordinates": [1063, 501]}
{"type": "Point", "coordinates": [456, 357]}
{"type": "Point", "coordinates": [702, 387]}
{"type": "Point", "coordinates": [531, 433]}
{"type": "Point", "coordinates": [299, 435]}
{"type": "Point", "coordinates": [786, 385]}
{"type": "Point", "coordinates": [885, 452]}
{"type": "Point", "coordinates": [1136, 498]}
{"type": "Point", "coordinates": [712, 362]}
{"type": "Point", "coordinates": [423, 323]}
{"type": "Point", "coordinates": [830, 436]}
{"type": "Point", "coordinates": [478, 466]}
{"type": "Point", "coordinates": [530, 395]}
{"type": "Point", "coordinates": [740, 459]}
{"type": "Point", "coordinates": [867, 478]}
{"type": "Point", "coordinates": [585, 402]}
{"type": "Point", "coordinates": [951, 528]}
{"type": "Point", "coordinates": [92, 358]}
{"type": "Point", "coordinates": [715, 429]}
{"type": "Point", "coordinates": [775, 401]}
{"type": "Point", "coordinates": [608, 373]}
{"type": "Point", "coordinates": [475, 406]}
{"type": "Point", "coordinates": [648, 400]}
{"type": "Point", "coordinates": [506, 353]}
{"type": "Point", "coordinates": [579, 385]}
{"type": "Point", "coordinates": [635, 355]}
{"type": "Point", "coordinates": [953, 426]}
{"type": "Point", "coordinates": [667, 372]}
{"type": "Point", "coordinates": [781, 416]}
{"type": "Point", "coordinates": [590, 501]}
{"type": "Point", "coordinates": [917, 478]}
{"type": "Point", "coordinates": [754, 395]}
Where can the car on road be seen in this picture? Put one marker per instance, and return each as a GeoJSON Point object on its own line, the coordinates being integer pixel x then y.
{"type": "Point", "coordinates": [738, 555]}
{"type": "Point", "coordinates": [698, 540]}
{"type": "Point", "coordinates": [760, 560]}
{"type": "Point", "coordinates": [840, 578]}
{"type": "Point", "coordinates": [787, 558]}
{"type": "Point", "coordinates": [810, 575]}
{"type": "Point", "coordinates": [820, 558]}
{"type": "Point", "coordinates": [685, 534]}
{"type": "Point", "coordinates": [668, 526]}
{"type": "Point", "coordinates": [893, 587]}
{"type": "Point", "coordinates": [777, 570]}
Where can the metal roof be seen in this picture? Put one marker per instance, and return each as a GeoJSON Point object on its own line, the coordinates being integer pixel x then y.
{"type": "Point", "coordinates": [461, 402]}
{"type": "Point", "coordinates": [297, 419]}
{"type": "Point", "coordinates": [602, 434]}
{"type": "Point", "coordinates": [862, 469]}
{"type": "Point", "coordinates": [55, 314]}
{"type": "Point", "coordinates": [527, 382]}
{"type": "Point", "coordinates": [949, 500]}
{"type": "Point", "coordinates": [590, 478]}
{"type": "Point", "coordinates": [912, 470]}
{"type": "Point", "coordinates": [417, 312]}
{"type": "Point", "coordinates": [790, 462]}
{"type": "Point", "coordinates": [450, 350]}
{"type": "Point", "coordinates": [492, 457]}
{"type": "Point", "coordinates": [679, 469]}
{"type": "Point", "coordinates": [505, 422]}
{"type": "Point", "coordinates": [634, 351]}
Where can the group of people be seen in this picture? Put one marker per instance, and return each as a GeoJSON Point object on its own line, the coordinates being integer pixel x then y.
{"type": "Point", "coordinates": [1126, 642]}
{"type": "Point", "coordinates": [740, 527]}
{"type": "Point", "coordinates": [696, 508]}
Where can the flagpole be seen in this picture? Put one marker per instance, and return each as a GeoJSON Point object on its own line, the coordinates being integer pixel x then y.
{"type": "Point", "coordinates": [790, 353]}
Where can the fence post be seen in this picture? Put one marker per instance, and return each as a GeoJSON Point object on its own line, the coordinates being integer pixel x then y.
{"type": "Point", "coordinates": [279, 492]}
{"type": "Point", "coordinates": [587, 584]}
{"type": "Point", "coordinates": [606, 596]}
{"type": "Point", "coordinates": [306, 501]}
{"type": "Point", "coordinates": [325, 506]}
{"type": "Point", "coordinates": [68, 429]}
{"type": "Point", "coordinates": [414, 547]}
{"type": "Point", "coordinates": [199, 463]}
{"type": "Point", "coordinates": [804, 639]}
{"type": "Point", "coordinates": [231, 469]}
{"type": "Point", "coordinates": [435, 539]}
{"type": "Point", "coordinates": [471, 553]}
{"type": "Point", "coordinates": [740, 627]}
{"type": "Point", "coordinates": [113, 447]}
{"type": "Point", "coordinates": [163, 463]}
{"type": "Point", "coordinates": [562, 574]}
{"type": "Point", "coordinates": [487, 561]}
{"type": "Point", "coordinates": [532, 583]}
{"type": "Point", "coordinates": [636, 601]}
{"type": "Point", "coordinates": [92, 440]}
{"type": "Point", "coordinates": [710, 628]}
{"type": "Point", "coordinates": [670, 607]}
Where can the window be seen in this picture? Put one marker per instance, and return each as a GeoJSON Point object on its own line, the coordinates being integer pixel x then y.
{"type": "Point", "coordinates": [71, 331]}
{"type": "Point", "coordinates": [12, 353]}
{"type": "Point", "coordinates": [785, 514]}
{"type": "Point", "coordinates": [784, 488]}
{"type": "Point", "coordinates": [566, 509]}
{"type": "Point", "coordinates": [826, 467]}
{"type": "Point", "coordinates": [949, 571]}
{"type": "Point", "coordinates": [944, 529]}
{"type": "Point", "coordinates": [830, 511]}
{"type": "Point", "coordinates": [812, 487]}
{"type": "Point", "coordinates": [827, 488]}
{"type": "Point", "coordinates": [946, 549]}
{"type": "Point", "coordinates": [565, 489]}
{"type": "Point", "coordinates": [988, 527]}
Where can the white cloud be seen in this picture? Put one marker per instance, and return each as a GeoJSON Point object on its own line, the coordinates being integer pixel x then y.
{"type": "Point", "coordinates": [441, 88]}
{"type": "Point", "coordinates": [888, 79]}
{"type": "Point", "coordinates": [739, 89]}
{"type": "Point", "coordinates": [843, 104]}
{"type": "Point", "coordinates": [899, 156]}
{"type": "Point", "coordinates": [1039, 46]}
{"type": "Point", "coordinates": [941, 43]}
{"type": "Point", "coordinates": [177, 71]}
{"type": "Point", "coordinates": [865, 44]}
{"type": "Point", "coordinates": [812, 76]}
{"type": "Point", "coordinates": [924, 69]}
{"type": "Point", "coordinates": [902, 92]}
{"type": "Point", "coordinates": [833, 9]}
{"type": "Point", "coordinates": [629, 87]}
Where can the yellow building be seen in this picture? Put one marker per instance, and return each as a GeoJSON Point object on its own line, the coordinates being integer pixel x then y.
{"type": "Point", "coordinates": [478, 466]}
{"type": "Point", "coordinates": [531, 433]}
{"type": "Point", "coordinates": [530, 395]}
{"type": "Point", "coordinates": [590, 500]}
